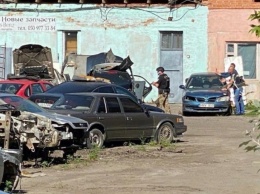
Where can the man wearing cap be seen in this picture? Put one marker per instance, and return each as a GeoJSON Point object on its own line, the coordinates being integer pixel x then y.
{"type": "Point", "coordinates": [163, 85]}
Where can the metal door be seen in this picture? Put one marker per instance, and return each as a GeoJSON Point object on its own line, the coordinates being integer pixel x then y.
{"type": "Point", "coordinates": [171, 58]}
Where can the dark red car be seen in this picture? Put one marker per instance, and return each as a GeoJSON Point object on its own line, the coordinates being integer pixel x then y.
{"type": "Point", "coordinates": [24, 87]}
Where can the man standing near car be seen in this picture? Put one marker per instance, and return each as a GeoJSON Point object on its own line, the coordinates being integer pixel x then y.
{"type": "Point", "coordinates": [235, 82]}
{"type": "Point", "coordinates": [163, 85]}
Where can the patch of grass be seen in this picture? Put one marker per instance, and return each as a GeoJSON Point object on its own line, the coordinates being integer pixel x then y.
{"type": "Point", "coordinates": [94, 153]}
{"type": "Point", "coordinates": [163, 144]}
{"type": "Point", "coordinates": [141, 148]}
{"type": "Point", "coordinates": [252, 108]}
{"type": "Point", "coordinates": [8, 186]}
{"type": "Point", "coordinates": [45, 164]}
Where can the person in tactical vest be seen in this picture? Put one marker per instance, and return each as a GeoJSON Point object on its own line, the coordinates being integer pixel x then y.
{"type": "Point", "coordinates": [163, 85]}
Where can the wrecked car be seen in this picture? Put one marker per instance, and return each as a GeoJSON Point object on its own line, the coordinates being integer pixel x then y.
{"type": "Point", "coordinates": [109, 66]}
{"type": "Point", "coordinates": [34, 127]}
{"type": "Point", "coordinates": [35, 60]}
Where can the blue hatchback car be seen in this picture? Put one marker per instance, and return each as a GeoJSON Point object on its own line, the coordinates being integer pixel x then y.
{"type": "Point", "coordinates": [204, 93]}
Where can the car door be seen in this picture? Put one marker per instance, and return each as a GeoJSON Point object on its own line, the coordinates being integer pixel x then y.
{"type": "Point", "coordinates": [139, 123]}
{"type": "Point", "coordinates": [109, 113]}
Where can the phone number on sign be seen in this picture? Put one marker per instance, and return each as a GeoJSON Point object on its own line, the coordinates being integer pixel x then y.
{"type": "Point", "coordinates": [37, 28]}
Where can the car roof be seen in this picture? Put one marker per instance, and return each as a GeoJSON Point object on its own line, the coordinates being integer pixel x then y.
{"type": "Point", "coordinates": [90, 85]}
{"type": "Point", "coordinates": [22, 81]}
{"type": "Point", "coordinates": [96, 94]}
{"type": "Point", "coordinates": [204, 73]}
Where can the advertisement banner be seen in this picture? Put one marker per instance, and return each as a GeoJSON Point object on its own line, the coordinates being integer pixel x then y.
{"type": "Point", "coordinates": [18, 23]}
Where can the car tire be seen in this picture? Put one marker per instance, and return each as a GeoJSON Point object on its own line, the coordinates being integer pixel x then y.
{"type": "Point", "coordinates": [96, 138]}
{"type": "Point", "coordinates": [229, 111]}
{"type": "Point", "coordinates": [165, 132]}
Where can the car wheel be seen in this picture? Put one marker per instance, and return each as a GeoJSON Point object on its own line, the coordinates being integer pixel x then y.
{"type": "Point", "coordinates": [96, 138]}
{"type": "Point", "coordinates": [165, 133]}
{"type": "Point", "coordinates": [229, 111]}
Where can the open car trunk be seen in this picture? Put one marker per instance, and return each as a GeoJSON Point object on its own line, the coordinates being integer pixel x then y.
{"type": "Point", "coordinates": [33, 60]}
{"type": "Point", "coordinates": [111, 67]}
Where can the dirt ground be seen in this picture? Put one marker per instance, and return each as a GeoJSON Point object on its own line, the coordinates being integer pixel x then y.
{"type": "Point", "coordinates": [206, 160]}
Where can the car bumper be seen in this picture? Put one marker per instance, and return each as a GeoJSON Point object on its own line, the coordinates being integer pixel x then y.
{"type": "Point", "coordinates": [217, 107]}
{"type": "Point", "coordinates": [180, 129]}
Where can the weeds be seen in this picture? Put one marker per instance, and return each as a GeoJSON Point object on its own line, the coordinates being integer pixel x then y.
{"type": "Point", "coordinates": [253, 108]}
{"type": "Point", "coordinates": [163, 144]}
{"type": "Point", "coordinates": [94, 153]}
{"type": "Point", "coordinates": [8, 186]}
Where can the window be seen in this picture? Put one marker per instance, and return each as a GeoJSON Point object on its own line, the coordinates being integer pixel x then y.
{"type": "Point", "coordinates": [125, 92]}
{"type": "Point", "coordinates": [101, 107]}
{"type": "Point", "coordinates": [248, 52]}
{"type": "Point", "coordinates": [70, 42]}
{"type": "Point", "coordinates": [130, 106]}
{"type": "Point", "coordinates": [48, 86]}
{"type": "Point", "coordinates": [112, 105]}
{"type": "Point", "coordinates": [36, 88]}
{"type": "Point", "coordinates": [171, 41]}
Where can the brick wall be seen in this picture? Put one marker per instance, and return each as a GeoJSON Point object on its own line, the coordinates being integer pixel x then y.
{"type": "Point", "coordinates": [232, 4]}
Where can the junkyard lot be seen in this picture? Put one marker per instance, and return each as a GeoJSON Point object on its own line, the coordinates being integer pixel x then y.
{"type": "Point", "coordinates": [208, 161]}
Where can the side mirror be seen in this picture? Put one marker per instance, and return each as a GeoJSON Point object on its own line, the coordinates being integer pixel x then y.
{"type": "Point", "coordinates": [182, 87]}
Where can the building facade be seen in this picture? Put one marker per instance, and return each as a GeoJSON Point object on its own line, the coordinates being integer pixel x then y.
{"type": "Point", "coordinates": [228, 36]}
{"type": "Point", "coordinates": [170, 35]}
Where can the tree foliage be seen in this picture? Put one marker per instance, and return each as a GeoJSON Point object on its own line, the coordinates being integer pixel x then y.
{"type": "Point", "coordinates": [253, 144]}
{"type": "Point", "coordinates": [255, 29]}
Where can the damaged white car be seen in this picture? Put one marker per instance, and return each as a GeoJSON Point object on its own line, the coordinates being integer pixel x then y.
{"type": "Point", "coordinates": [24, 123]}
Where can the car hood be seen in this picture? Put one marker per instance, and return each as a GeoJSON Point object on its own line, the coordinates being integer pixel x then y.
{"type": "Point", "coordinates": [208, 93]}
{"type": "Point", "coordinates": [33, 60]}
{"type": "Point", "coordinates": [59, 118]}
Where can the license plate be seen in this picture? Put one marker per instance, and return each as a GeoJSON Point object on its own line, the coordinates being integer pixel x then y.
{"type": "Point", "coordinates": [207, 105]}
{"type": "Point", "coordinates": [44, 105]}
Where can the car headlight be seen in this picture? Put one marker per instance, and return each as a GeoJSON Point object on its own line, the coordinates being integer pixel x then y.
{"type": "Point", "coordinates": [189, 98]}
{"type": "Point", "coordinates": [80, 124]}
{"type": "Point", "coordinates": [223, 98]}
{"type": "Point", "coordinates": [179, 120]}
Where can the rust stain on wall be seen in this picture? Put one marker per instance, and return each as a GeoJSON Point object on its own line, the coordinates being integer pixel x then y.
{"type": "Point", "coordinates": [148, 21]}
{"type": "Point", "coordinates": [72, 20]}
{"type": "Point", "coordinates": [14, 13]}
{"type": "Point", "coordinates": [118, 26]}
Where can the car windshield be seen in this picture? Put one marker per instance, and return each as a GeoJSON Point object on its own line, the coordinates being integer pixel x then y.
{"type": "Point", "coordinates": [21, 104]}
{"type": "Point", "coordinates": [10, 87]}
{"type": "Point", "coordinates": [74, 102]}
{"type": "Point", "coordinates": [204, 82]}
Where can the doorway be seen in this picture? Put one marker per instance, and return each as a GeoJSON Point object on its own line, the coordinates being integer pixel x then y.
{"type": "Point", "coordinates": [171, 58]}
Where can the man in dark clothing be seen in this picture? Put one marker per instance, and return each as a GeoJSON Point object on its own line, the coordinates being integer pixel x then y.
{"type": "Point", "coordinates": [163, 85]}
